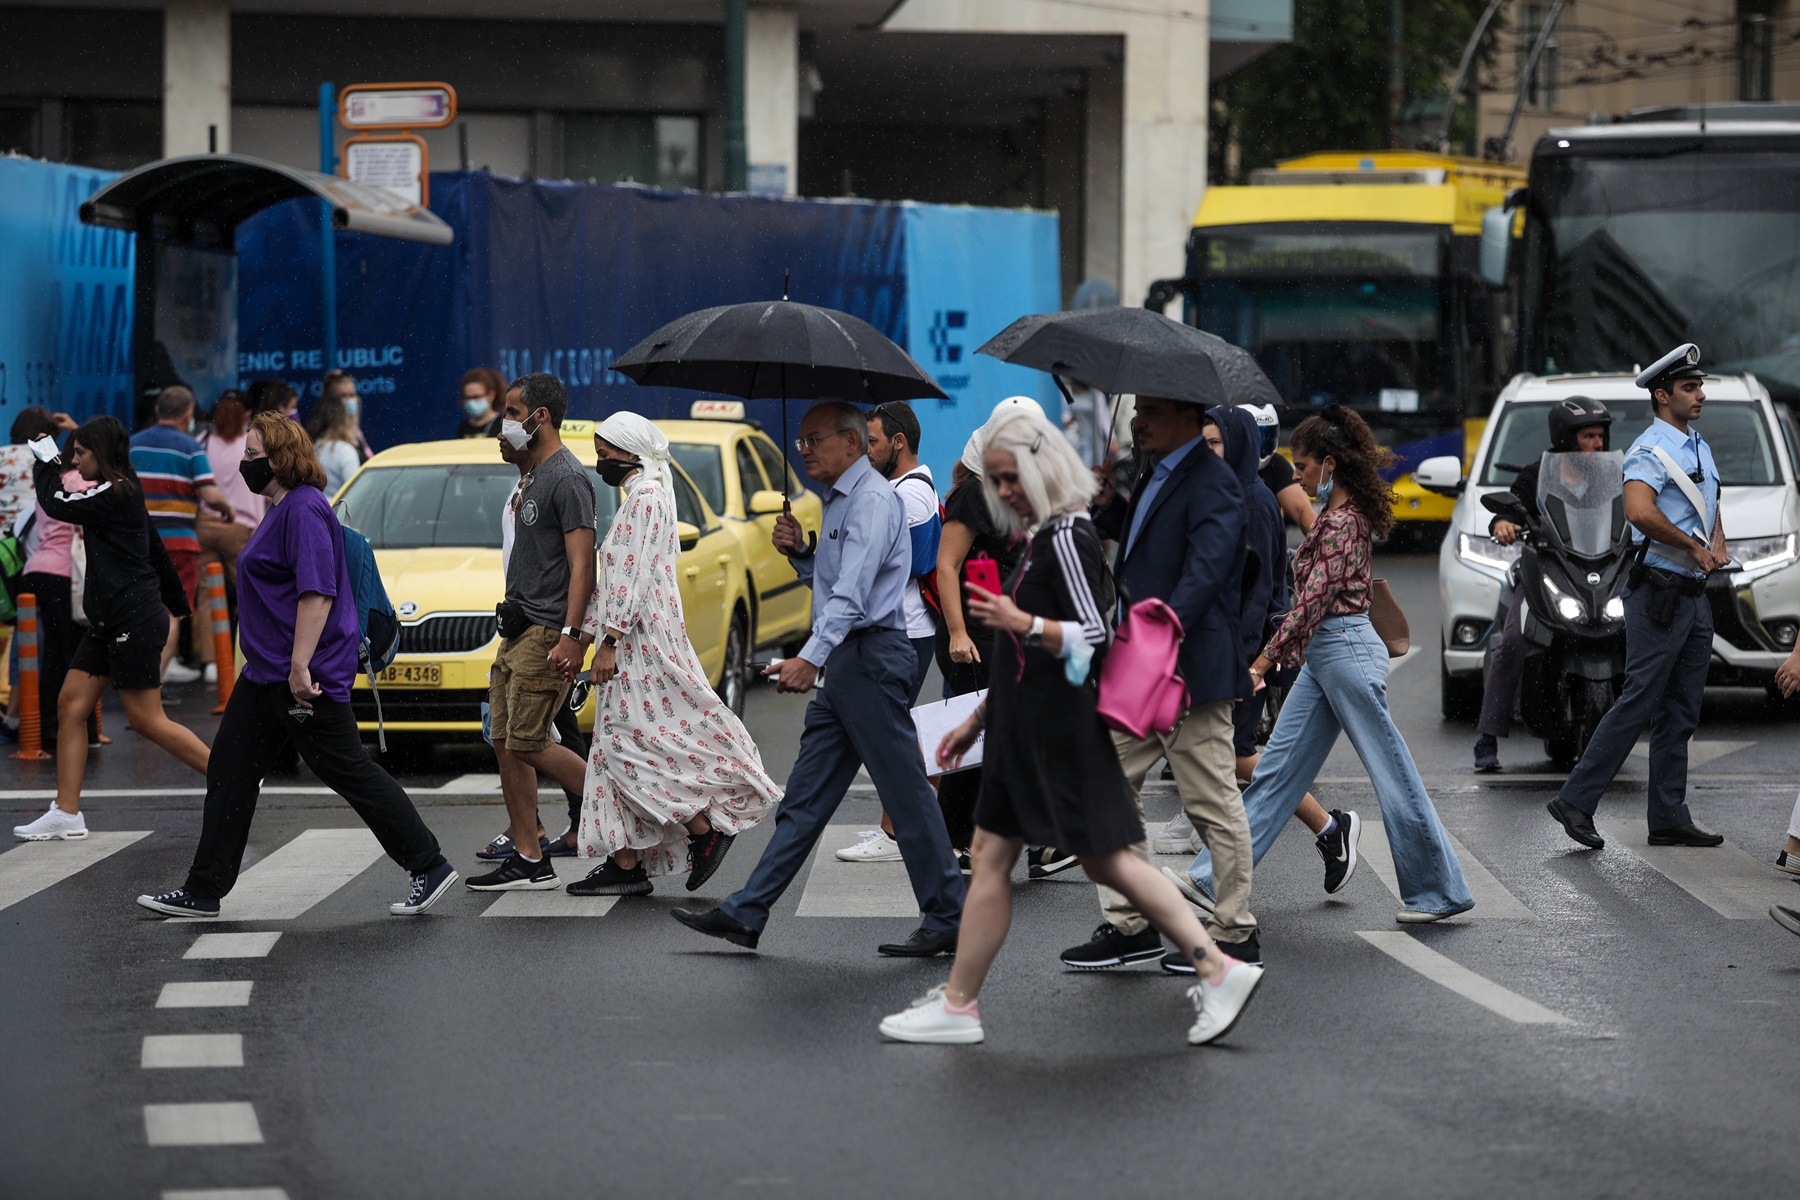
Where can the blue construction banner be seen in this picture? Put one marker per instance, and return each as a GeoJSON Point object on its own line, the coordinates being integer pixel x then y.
{"type": "Point", "coordinates": [971, 272]}
{"type": "Point", "coordinates": [65, 296]}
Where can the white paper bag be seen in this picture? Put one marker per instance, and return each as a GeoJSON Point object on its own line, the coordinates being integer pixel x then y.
{"type": "Point", "coordinates": [933, 721]}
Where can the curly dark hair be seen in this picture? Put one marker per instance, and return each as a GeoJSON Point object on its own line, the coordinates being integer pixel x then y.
{"type": "Point", "coordinates": [1341, 434]}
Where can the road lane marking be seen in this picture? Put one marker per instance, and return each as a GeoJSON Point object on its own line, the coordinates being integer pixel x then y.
{"type": "Point", "coordinates": [229, 1124]}
{"type": "Point", "coordinates": [232, 945]}
{"type": "Point", "coordinates": [180, 1050]}
{"type": "Point", "coordinates": [1410, 952]}
{"type": "Point", "coordinates": [226, 1194]}
{"type": "Point", "coordinates": [1492, 900]}
{"type": "Point", "coordinates": [300, 874]}
{"type": "Point", "coordinates": [1723, 878]}
{"type": "Point", "coordinates": [848, 889]}
{"type": "Point", "coordinates": [230, 993]}
{"type": "Point", "coordinates": [30, 867]}
{"type": "Point", "coordinates": [1699, 752]}
{"type": "Point", "coordinates": [549, 904]}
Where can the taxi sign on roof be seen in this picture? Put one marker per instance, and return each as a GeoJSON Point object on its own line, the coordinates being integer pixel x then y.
{"type": "Point", "coordinates": [717, 410]}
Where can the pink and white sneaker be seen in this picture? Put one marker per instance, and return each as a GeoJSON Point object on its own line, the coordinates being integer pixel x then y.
{"type": "Point", "coordinates": [930, 1022]}
{"type": "Point", "coordinates": [1217, 1006]}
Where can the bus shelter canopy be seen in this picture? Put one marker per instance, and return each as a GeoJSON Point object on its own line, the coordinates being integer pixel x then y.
{"type": "Point", "coordinates": [200, 199]}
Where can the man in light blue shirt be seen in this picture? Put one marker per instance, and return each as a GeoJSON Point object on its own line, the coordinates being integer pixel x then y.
{"type": "Point", "coordinates": [1668, 621]}
{"type": "Point", "coordinates": [858, 573]}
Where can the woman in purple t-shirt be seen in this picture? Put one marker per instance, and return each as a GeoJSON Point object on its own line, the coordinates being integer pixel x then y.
{"type": "Point", "coordinates": [298, 627]}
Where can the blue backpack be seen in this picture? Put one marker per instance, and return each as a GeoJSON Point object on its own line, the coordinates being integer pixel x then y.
{"type": "Point", "coordinates": [375, 619]}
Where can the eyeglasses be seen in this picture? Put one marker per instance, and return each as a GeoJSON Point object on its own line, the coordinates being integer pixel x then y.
{"type": "Point", "coordinates": [803, 444]}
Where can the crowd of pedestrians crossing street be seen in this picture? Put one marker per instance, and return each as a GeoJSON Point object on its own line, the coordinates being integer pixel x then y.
{"type": "Point", "coordinates": [1017, 583]}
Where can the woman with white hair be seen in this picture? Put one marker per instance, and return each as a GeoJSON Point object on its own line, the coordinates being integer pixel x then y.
{"type": "Point", "coordinates": [1052, 774]}
{"type": "Point", "coordinates": [673, 775]}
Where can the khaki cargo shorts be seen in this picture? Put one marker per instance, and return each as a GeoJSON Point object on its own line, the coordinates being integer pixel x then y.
{"type": "Point", "coordinates": [524, 690]}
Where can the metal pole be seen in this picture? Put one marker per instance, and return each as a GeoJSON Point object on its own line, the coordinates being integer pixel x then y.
{"type": "Point", "coordinates": [737, 154]}
{"type": "Point", "coordinates": [327, 241]}
{"type": "Point", "coordinates": [1501, 148]}
{"type": "Point", "coordinates": [1442, 145]}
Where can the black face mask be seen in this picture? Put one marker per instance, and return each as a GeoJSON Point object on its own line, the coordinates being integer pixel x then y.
{"type": "Point", "coordinates": [615, 471]}
{"type": "Point", "coordinates": [258, 473]}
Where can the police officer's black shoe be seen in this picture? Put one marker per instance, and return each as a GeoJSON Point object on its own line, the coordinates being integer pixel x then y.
{"type": "Point", "coordinates": [1689, 834]}
{"type": "Point", "coordinates": [1577, 824]}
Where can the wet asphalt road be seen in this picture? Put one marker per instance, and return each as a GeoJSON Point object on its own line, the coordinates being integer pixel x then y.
{"type": "Point", "coordinates": [1630, 1028]}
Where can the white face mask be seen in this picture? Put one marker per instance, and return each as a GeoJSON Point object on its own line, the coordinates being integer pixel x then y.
{"type": "Point", "coordinates": [516, 434]}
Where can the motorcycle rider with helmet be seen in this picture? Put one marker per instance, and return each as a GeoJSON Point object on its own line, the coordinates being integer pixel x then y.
{"type": "Point", "coordinates": [1577, 423]}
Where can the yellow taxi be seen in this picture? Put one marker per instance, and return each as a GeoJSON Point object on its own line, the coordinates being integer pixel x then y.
{"type": "Point", "coordinates": [432, 511]}
{"type": "Point", "coordinates": [742, 474]}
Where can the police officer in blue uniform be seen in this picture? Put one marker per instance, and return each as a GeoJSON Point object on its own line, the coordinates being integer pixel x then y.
{"type": "Point", "coordinates": [1672, 502]}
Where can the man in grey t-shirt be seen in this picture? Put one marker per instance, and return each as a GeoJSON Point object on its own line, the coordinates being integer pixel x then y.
{"type": "Point", "coordinates": [549, 582]}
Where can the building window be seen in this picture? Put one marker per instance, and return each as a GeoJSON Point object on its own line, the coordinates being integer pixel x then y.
{"type": "Point", "coordinates": [640, 148]}
{"type": "Point", "coordinates": [1542, 92]}
{"type": "Point", "coordinates": [1756, 49]}
{"type": "Point", "coordinates": [18, 131]}
{"type": "Point", "coordinates": [113, 135]}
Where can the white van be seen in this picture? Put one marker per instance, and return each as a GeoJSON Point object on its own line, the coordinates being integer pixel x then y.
{"type": "Point", "coordinates": [1756, 607]}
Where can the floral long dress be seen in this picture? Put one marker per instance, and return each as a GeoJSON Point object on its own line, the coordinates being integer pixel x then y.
{"type": "Point", "coordinates": [665, 747]}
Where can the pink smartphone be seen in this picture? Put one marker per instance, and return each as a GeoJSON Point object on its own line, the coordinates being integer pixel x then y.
{"type": "Point", "coordinates": [983, 573]}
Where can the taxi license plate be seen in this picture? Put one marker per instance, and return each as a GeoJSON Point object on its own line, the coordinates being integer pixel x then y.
{"type": "Point", "coordinates": [413, 675]}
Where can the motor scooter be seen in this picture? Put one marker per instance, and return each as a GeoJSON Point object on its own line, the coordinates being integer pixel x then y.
{"type": "Point", "coordinates": [1572, 570]}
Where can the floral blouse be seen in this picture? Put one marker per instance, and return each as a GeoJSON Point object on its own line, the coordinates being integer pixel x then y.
{"type": "Point", "coordinates": [1331, 579]}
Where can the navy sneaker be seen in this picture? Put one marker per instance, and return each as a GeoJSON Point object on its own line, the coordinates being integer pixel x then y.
{"type": "Point", "coordinates": [427, 886]}
{"type": "Point", "coordinates": [1487, 755]}
{"type": "Point", "coordinates": [501, 848]}
{"type": "Point", "coordinates": [182, 903]}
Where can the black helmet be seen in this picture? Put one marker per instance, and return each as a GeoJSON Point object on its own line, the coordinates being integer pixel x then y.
{"type": "Point", "coordinates": [1573, 414]}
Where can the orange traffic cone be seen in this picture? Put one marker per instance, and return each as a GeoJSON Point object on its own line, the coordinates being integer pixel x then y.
{"type": "Point", "coordinates": [220, 613]}
{"type": "Point", "coordinates": [31, 719]}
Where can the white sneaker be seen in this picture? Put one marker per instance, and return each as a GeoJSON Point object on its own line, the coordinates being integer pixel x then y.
{"type": "Point", "coordinates": [179, 672]}
{"type": "Point", "coordinates": [876, 846]}
{"type": "Point", "coordinates": [1177, 837]}
{"type": "Point", "coordinates": [54, 826]}
{"type": "Point", "coordinates": [1201, 903]}
{"type": "Point", "coordinates": [928, 1022]}
{"type": "Point", "coordinates": [210, 673]}
{"type": "Point", "coordinates": [1217, 1008]}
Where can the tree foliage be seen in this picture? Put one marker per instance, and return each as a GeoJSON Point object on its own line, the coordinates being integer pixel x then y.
{"type": "Point", "coordinates": [1328, 88]}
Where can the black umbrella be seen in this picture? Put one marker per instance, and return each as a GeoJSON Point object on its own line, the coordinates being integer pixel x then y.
{"type": "Point", "coordinates": [778, 349]}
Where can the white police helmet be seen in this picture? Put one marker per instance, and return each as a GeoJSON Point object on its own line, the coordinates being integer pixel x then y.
{"type": "Point", "coordinates": [1268, 424]}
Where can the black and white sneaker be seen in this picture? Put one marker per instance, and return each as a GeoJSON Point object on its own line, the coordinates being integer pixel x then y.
{"type": "Point", "coordinates": [427, 886]}
{"type": "Point", "coordinates": [610, 879]}
{"type": "Point", "coordinates": [1247, 951]}
{"type": "Point", "coordinates": [1787, 862]}
{"type": "Point", "coordinates": [1109, 947]}
{"type": "Point", "coordinates": [1338, 849]}
{"type": "Point", "coordinates": [1045, 861]}
{"type": "Point", "coordinates": [517, 875]}
{"type": "Point", "coordinates": [182, 903]}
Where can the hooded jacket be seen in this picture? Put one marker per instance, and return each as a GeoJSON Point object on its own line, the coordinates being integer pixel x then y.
{"type": "Point", "coordinates": [1267, 592]}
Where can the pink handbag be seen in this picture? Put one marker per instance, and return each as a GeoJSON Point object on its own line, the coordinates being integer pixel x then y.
{"type": "Point", "coordinates": [1140, 691]}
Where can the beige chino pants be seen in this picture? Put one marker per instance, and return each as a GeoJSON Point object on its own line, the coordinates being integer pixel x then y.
{"type": "Point", "coordinates": [1200, 751]}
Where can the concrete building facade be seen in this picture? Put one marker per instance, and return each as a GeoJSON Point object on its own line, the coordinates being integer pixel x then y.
{"type": "Point", "coordinates": [1095, 110]}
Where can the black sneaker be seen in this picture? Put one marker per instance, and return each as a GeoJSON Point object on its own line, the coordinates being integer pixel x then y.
{"type": "Point", "coordinates": [705, 852]}
{"type": "Point", "coordinates": [1338, 849]}
{"type": "Point", "coordinates": [182, 903]}
{"type": "Point", "coordinates": [1112, 948]}
{"type": "Point", "coordinates": [1487, 755]}
{"type": "Point", "coordinates": [610, 879]}
{"type": "Point", "coordinates": [1247, 951]}
{"type": "Point", "coordinates": [501, 848]}
{"type": "Point", "coordinates": [517, 875]}
{"type": "Point", "coordinates": [1046, 861]}
{"type": "Point", "coordinates": [963, 863]}
{"type": "Point", "coordinates": [427, 887]}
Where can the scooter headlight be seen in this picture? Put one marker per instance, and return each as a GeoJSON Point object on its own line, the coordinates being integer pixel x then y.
{"type": "Point", "coordinates": [1615, 609]}
{"type": "Point", "coordinates": [1567, 606]}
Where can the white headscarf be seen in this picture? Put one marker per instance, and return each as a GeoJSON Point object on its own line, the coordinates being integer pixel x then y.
{"type": "Point", "coordinates": [633, 434]}
{"type": "Point", "coordinates": [977, 444]}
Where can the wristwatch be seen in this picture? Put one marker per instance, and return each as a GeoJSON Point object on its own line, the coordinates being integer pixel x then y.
{"type": "Point", "coordinates": [1034, 637]}
{"type": "Point", "coordinates": [609, 640]}
{"type": "Point", "coordinates": [572, 631]}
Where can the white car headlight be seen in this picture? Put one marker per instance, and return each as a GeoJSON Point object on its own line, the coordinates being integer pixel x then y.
{"type": "Point", "coordinates": [1762, 554]}
{"type": "Point", "coordinates": [1484, 552]}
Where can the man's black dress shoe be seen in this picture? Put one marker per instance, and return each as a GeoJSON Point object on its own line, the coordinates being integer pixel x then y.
{"type": "Point", "coordinates": [1576, 824]}
{"type": "Point", "coordinates": [714, 923]}
{"type": "Point", "coordinates": [1685, 835]}
{"type": "Point", "coordinates": [922, 944]}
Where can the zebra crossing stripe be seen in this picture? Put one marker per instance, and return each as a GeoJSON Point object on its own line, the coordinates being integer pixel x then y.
{"type": "Point", "coordinates": [1407, 950]}
{"type": "Point", "coordinates": [30, 867]}
{"type": "Point", "coordinates": [230, 1124]}
{"type": "Point", "coordinates": [844, 889]}
{"type": "Point", "coordinates": [1723, 878]}
{"type": "Point", "coordinates": [1492, 900]}
{"type": "Point", "coordinates": [300, 874]}
{"type": "Point", "coordinates": [549, 904]}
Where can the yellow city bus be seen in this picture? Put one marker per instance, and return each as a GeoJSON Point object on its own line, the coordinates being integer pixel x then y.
{"type": "Point", "coordinates": [1352, 277]}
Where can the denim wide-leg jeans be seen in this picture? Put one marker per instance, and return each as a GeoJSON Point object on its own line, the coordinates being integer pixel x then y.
{"type": "Point", "coordinates": [1343, 688]}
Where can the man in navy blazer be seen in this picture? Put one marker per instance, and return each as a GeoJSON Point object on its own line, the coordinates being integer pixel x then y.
{"type": "Point", "coordinates": [1182, 541]}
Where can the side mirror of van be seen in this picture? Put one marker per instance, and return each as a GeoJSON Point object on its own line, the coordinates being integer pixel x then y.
{"type": "Point", "coordinates": [1497, 239]}
{"type": "Point", "coordinates": [1442, 475]}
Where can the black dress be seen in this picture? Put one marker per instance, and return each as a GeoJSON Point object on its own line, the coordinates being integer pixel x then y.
{"type": "Point", "coordinates": [1050, 774]}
